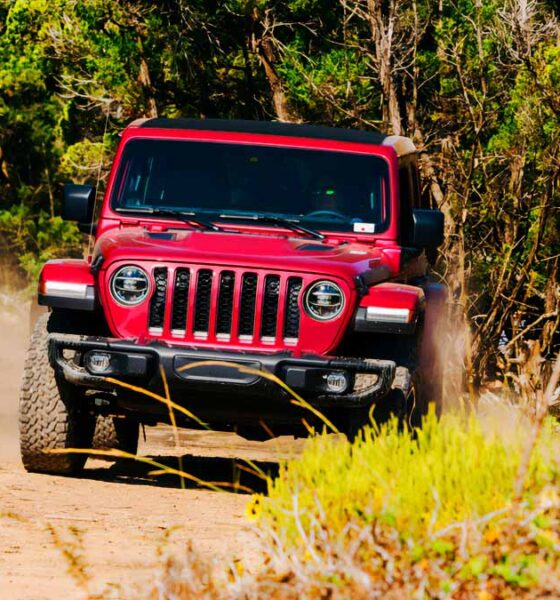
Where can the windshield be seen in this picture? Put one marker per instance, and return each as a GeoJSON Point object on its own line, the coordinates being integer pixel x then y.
{"type": "Point", "coordinates": [337, 191]}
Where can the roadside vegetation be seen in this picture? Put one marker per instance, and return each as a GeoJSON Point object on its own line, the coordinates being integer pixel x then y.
{"type": "Point", "coordinates": [434, 515]}
{"type": "Point", "coordinates": [451, 512]}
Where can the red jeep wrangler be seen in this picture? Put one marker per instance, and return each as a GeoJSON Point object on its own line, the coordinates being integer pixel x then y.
{"type": "Point", "coordinates": [225, 248]}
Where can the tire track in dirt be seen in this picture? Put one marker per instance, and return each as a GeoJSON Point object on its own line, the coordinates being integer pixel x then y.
{"type": "Point", "coordinates": [120, 515]}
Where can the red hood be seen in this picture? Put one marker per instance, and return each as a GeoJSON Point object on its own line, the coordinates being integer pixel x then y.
{"type": "Point", "coordinates": [330, 257]}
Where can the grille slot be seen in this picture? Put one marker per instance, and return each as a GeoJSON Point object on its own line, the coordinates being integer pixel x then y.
{"type": "Point", "coordinates": [216, 305]}
{"type": "Point", "coordinates": [291, 318]}
{"type": "Point", "coordinates": [157, 302]}
{"type": "Point", "coordinates": [203, 301]}
{"type": "Point", "coordinates": [247, 304]}
{"type": "Point", "coordinates": [270, 306]}
{"type": "Point", "coordinates": [225, 303]}
{"type": "Point", "coordinates": [180, 297]}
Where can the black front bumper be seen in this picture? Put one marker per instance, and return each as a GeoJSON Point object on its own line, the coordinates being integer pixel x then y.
{"type": "Point", "coordinates": [201, 374]}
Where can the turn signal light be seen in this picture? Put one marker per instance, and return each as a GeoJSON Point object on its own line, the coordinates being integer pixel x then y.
{"type": "Point", "coordinates": [388, 315]}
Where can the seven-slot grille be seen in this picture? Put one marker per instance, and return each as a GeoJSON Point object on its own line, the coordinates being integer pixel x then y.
{"type": "Point", "coordinates": [224, 305]}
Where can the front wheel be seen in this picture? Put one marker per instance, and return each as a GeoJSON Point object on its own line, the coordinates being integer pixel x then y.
{"type": "Point", "coordinates": [115, 433]}
{"type": "Point", "coordinates": [52, 414]}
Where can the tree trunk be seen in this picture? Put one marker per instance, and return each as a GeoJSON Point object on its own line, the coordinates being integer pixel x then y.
{"type": "Point", "coordinates": [263, 46]}
{"type": "Point", "coordinates": [382, 30]}
{"type": "Point", "coordinates": [146, 83]}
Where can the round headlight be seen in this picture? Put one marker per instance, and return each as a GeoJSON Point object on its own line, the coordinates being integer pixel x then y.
{"type": "Point", "coordinates": [130, 285]}
{"type": "Point", "coordinates": [324, 300]}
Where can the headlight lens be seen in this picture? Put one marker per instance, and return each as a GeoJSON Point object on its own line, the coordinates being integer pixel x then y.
{"type": "Point", "coordinates": [130, 285]}
{"type": "Point", "coordinates": [324, 300]}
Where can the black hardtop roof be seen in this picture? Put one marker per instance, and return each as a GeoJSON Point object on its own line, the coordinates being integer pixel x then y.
{"type": "Point", "coordinates": [271, 128]}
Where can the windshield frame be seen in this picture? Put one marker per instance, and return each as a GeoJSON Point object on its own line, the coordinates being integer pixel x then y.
{"type": "Point", "coordinates": [385, 229]}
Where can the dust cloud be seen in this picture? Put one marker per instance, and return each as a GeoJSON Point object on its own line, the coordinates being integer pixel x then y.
{"type": "Point", "coordinates": [14, 335]}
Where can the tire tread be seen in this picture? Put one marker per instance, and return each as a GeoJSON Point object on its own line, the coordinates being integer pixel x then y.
{"type": "Point", "coordinates": [49, 414]}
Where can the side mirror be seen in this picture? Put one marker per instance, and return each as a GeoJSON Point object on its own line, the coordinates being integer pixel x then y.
{"type": "Point", "coordinates": [78, 205]}
{"type": "Point", "coordinates": [427, 228]}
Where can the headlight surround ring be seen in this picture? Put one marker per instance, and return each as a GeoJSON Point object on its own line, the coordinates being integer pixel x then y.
{"type": "Point", "coordinates": [130, 285]}
{"type": "Point", "coordinates": [324, 300]}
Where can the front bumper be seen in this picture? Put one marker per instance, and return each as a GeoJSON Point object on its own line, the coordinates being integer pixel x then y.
{"type": "Point", "coordinates": [202, 374]}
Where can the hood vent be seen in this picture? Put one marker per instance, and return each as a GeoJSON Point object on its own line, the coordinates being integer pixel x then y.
{"type": "Point", "coordinates": [161, 235]}
{"type": "Point", "coordinates": [315, 247]}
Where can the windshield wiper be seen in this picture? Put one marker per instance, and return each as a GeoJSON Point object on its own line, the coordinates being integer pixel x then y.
{"type": "Point", "coordinates": [190, 218]}
{"type": "Point", "coordinates": [272, 220]}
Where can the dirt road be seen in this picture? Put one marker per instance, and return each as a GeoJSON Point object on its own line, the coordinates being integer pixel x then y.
{"type": "Point", "coordinates": [117, 517]}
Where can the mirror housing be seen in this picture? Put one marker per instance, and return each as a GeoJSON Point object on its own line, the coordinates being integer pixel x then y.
{"type": "Point", "coordinates": [427, 228]}
{"type": "Point", "coordinates": [78, 205]}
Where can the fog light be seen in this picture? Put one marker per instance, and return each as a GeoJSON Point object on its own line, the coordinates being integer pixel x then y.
{"type": "Point", "coordinates": [98, 362]}
{"type": "Point", "coordinates": [337, 382]}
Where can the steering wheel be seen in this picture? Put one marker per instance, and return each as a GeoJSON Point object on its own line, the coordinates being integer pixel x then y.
{"type": "Point", "coordinates": [332, 215]}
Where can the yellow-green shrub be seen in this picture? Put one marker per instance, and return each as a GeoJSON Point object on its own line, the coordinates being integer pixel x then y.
{"type": "Point", "coordinates": [430, 514]}
{"type": "Point", "coordinates": [394, 516]}
{"type": "Point", "coordinates": [451, 470]}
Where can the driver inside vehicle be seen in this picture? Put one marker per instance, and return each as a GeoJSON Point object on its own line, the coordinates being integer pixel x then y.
{"type": "Point", "coordinates": [327, 197]}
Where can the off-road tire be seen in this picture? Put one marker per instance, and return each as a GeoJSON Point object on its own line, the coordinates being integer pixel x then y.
{"type": "Point", "coordinates": [113, 433]}
{"type": "Point", "coordinates": [51, 412]}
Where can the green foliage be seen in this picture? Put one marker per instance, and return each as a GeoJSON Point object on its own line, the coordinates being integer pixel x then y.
{"type": "Point", "coordinates": [36, 239]}
{"type": "Point", "coordinates": [82, 161]}
{"type": "Point", "coordinates": [450, 471]}
{"type": "Point", "coordinates": [440, 504]}
{"type": "Point", "coordinates": [319, 87]}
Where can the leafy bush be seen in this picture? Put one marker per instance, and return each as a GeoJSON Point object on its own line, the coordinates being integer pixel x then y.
{"type": "Point", "coordinates": [432, 515]}
{"type": "Point", "coordinates": [35, 239]}
{"type": "Point", "coordinates": [451, 470]}
{"type": "Point", "coordinates": [394, 516]}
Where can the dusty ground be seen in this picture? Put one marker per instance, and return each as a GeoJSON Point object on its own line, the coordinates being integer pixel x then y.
{"type": "Point", "coordinates": [117, 516]}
